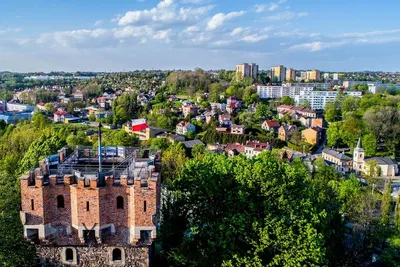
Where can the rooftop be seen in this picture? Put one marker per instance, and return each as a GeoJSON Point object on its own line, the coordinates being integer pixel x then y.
{"type": "Point", "coordinates": [84, 162]}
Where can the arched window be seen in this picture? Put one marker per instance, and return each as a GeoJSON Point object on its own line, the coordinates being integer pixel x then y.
{"type": "Point", "coordinates": [144, 206]}
{"type": "Point", "coordinates": [60, 202]}
{"type": "Point", "coordinates": [120, 202]}
{"type": "Point", "coordinates": [69, 254]}
{"type": "Point", "coordinates": [116, 254]}
{"type": "Point", "coordinates": [32, 204]}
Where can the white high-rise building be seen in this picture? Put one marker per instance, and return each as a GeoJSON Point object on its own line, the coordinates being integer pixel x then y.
{"type": "Point", "coordinates": [336, 76]}
{"type": "Point", "coordinates": [281, 91]}
{"type": "Point", "coordinates": [318, 99]}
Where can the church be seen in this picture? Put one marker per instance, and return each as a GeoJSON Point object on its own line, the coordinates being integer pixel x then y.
{"type": "Point", "coordinates": [387, 165]}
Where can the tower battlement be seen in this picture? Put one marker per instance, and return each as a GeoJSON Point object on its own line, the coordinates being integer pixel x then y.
{"type": "Point", "coordinates": [69, 201]}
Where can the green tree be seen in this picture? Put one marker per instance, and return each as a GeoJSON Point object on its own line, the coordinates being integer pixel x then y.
{"type": "Point", "coordinates": [209, 224]}
{"type": "Point", "coordinates": [334, 136]}
{"type": "Point", "coordinates": [198, 150]}
{"type": "Point", "coordinates": [122, 138]}
{"type": "Point", "coordinates": [369, 144]}
{"type": "Point", "coordinates": [386, 205]}
{"type": "Point", "coordinates": [287, 100]}
{"type": "Point", "coordinates": [160, 143]}
{"type": "Point", "coordinates": [49, 107]}
{"type": "Point", "coordinates": [397, 213]}
{"type": "Point", "coordinates": [351, 131]}
{"type": "Point", "coordinates": [40, 121]}
{"type": "Point", "coordinates": [296, 137]}
{"type": "Point", "coordinates": [78, 139]}
{"type": "Point", "coordinates": [263, 112]}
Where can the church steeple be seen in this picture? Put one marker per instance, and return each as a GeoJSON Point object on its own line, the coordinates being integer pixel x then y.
{"type": "Point", "coordinates": [359, 145]}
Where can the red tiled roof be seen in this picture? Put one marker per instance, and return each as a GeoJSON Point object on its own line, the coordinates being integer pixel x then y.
{"type": "Point", "coordinates": [238, 147]}
{"type": "Point", "coordinates": [272, 123]}
{"type": "Point", "coordinates": [40, 104]}
{"type": "Point", "coordinates": [60, 113]}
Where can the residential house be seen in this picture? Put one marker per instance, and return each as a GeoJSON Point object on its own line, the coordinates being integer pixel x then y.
{"type": "Point", "coordinates": [40, 106]}
{"type": "Point", "coordinates": [286, 131]}
{"type": "Point", "coordinates": [312, 135]}
{"type": "Point", "coordinates": [234, 149]}
{"type": "Point", "coordinates": [291, 110]}
{"type": "Point", "coordinates": [190, 144]}
{"type": "Point", "coordinates": [318, 122]}
{"type": "Point", "coordinates": [59, 115]}
{"type": "Point", "coordinates": [209, 115]}
{"type": "Point", "coordinates": [252, 149]}
{"type": "Point", "coordinates": [218, 106]}
{"type": "Point", "coordinates": [388, 167]}
{"type": "Point", "coordinates": [343, 163]}
{"type": "Point", "coordinates": [225, 120]}
{"type": "Point", "coordinates": [237, 129]}
{"type": "Point", "coordinates": [189, 110]}
{"type": "Point", "coordinates": [173, 138]}
{"type": "Point", "coordinates": [140, 128]}
{"type": "Point", "coordinates": [233, 104]}
{"type": "Point", "coordinates": [271, 125]}
{"type": "Point", "coordinates": [184, 127]}
{"type": "Point", "coordinates": [78, 95]}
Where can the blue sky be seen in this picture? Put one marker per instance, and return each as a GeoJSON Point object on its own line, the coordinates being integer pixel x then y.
{"type": "Point", "coordinates": [118, 35]}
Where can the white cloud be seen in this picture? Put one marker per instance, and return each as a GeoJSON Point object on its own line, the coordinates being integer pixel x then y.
{"type": "Point", "coordinates": [192, 29]}
{"type": "Point", "coordinates": [10, 30]}
{"type": "Point", "coordinates": [239, 30]}
{"type": "Point", "coordinates": [365, 34]}
{"type": "Point", "coordinates": [282, 1]}
{"type": "Point", "coordinates": [222, 42]}
{"type": "Point", "coordinates": [194, 1]}
{"type": "Point", "coordinates": [219, 19]}
{"type": "Point", "coordinates": [166, 12]}
{"type": "Point", "coordinates": [317, 46]}
{"type": "Point", "coordinates": [78, 38]}
{"type": "Point", "coordinates": [254, 38]}
{"type": "Point", "coordinates": [287, 15]}
{"type": "Point", "coordinates": [98, 23]}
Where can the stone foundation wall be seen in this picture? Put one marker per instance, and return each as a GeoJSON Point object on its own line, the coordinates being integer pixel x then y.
{"type": "Point", "coordinates": [135, 256]}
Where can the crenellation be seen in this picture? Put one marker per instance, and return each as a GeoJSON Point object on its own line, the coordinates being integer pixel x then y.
{"type": "Point", "coordinates": [120, 211]}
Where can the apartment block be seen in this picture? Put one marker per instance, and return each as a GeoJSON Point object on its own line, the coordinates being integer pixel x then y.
{"type": "Point", "coordinates": [278, 73]}
{"type": "Point", "coordinates": [281, 91]}
{"type": "Point", "coordinates": [246, 70]}
{"type": "Point", "coordinates": [290, 75]}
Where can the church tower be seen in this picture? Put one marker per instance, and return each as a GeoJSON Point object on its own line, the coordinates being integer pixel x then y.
{"type": "Point", "coordinates": [358, 157]}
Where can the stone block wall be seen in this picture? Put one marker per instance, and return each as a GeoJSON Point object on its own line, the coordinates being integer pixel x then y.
{"type": "Point", "coordinates": [133, 256]}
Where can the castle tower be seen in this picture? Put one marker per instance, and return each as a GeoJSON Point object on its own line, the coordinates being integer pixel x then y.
{"type": "Point", "coordinates": [358, 157]}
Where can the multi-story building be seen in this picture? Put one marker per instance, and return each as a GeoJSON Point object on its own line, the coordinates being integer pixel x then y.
{"type": "Point", "coordinates": [343, 163]}
{"type": "Point", "coordinates": [290, 75]}
{"type": "Point", "coordinates": [246, 70]}
{"type": "Point", "coordinates": [325, 86]}
{"type": "Point", "coordinates": [313, 75]}
{"type": "Point", "coordinates": [278, 74]}
{"type": "Point", "coordinates": [280, 91]}
{"type": "Point", "coordinates": [303, 75]}
{"type": "Point", "coordinates": [318, 99]}
{"type": "Point", "coordinates": [336, 76]}
{"type": "Point", "coordinates": [94, 207]}
{"type": "Point", "coordinates": [326, 76]}
{"type": "Point", "coordinates": [19, 107]}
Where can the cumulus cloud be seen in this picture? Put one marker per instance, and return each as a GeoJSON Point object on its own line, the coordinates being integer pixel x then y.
{"type": "Point", "coordinates": [239, 30]}
{"type": "Point", "coordinates": [365, 34]}
{"type": "Point", "coordinates": [98, 23]}
{"type": "Point", "coordinates": [287, 15]}
{"type": "Point", "coordinates": [166, 12]}
{"type": "Point", "coordinates": [259, 8]}
{"type": "Point", "coordinates": [10, 30]}
{"type": "Point", "coordinates": [254, 38]}
{"type": "Point", "coordinates": [317, 46]}
{"type": "Point", "coordinates": [219, 19]}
